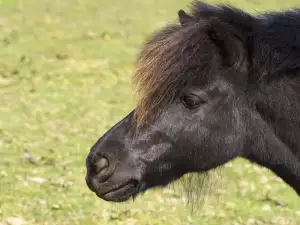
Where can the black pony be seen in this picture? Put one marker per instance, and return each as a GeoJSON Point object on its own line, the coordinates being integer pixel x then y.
{"type": "Point", "coordinates": [221, 84]}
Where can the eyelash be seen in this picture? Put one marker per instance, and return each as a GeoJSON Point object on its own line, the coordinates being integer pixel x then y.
{"type": "Point", "coordinates": [185, 99]}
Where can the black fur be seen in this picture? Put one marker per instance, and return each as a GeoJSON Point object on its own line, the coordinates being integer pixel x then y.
{"type": "Point", "coordinates": [232, 89]}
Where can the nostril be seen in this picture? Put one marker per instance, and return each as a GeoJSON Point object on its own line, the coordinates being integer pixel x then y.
{"type": "Point", "coordinates": [101, 165]}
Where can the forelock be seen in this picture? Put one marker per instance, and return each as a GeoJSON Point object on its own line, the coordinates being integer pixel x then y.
{"type": "Point", "coordinates": [162, 67]}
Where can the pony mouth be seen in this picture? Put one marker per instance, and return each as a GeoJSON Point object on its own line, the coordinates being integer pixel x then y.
{"type": "Point", "coordinates": [120, 193]}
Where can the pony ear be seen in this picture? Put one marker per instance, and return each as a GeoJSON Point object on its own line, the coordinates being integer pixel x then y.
{"type": "Point", "coordinates": [184, 18]}
{"type": "Point", "coordinates": [231, 44]}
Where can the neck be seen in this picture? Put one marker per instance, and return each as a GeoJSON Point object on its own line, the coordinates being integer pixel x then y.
{"type": "Point", "coordinates": [266, 149]}
{"type": "Point", "coordinates": [279, 107]}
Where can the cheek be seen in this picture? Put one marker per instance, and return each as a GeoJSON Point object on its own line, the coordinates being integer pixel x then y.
{"type": "Point", "coordinates": [214, 123]}
{"type": "Point", "coordinates": [225, 130]}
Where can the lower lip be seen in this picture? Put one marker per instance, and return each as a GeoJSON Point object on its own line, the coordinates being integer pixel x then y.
{"type": "Point", "coordinates": [121, 194]}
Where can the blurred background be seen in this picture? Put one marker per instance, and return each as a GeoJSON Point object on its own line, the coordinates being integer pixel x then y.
{"type": "Point", "coordinates": [65, 78]}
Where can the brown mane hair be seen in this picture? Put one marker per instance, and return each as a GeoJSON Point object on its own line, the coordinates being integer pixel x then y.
{"type": "Point", "coordinates": [164, 65]}
{"type": "Point", "coordinates": [157, 61]}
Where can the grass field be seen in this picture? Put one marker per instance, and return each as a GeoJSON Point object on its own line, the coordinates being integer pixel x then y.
{"type": "Point", "coordinates": [65, 68]}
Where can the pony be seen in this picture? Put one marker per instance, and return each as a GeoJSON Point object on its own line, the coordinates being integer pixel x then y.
{"type": "Point", "coordinates": [219, 84]}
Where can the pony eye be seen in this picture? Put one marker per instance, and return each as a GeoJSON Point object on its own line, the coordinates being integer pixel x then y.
{"type": "Point", "coordinates": [191, 101]}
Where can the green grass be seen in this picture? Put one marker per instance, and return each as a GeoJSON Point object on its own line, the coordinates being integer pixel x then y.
{"type": "Point", "coordinates": [65, 69]}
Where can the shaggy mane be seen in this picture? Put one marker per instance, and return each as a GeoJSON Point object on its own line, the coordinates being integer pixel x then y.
{"type": "Point", "coordinates": [163, 67]}
{"type": "Point", "coordinates": [161, 63]}
{"type": "Point", "coordinates": [152, 77]}
{"type": "Point", "coordinates": [272, 43]}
